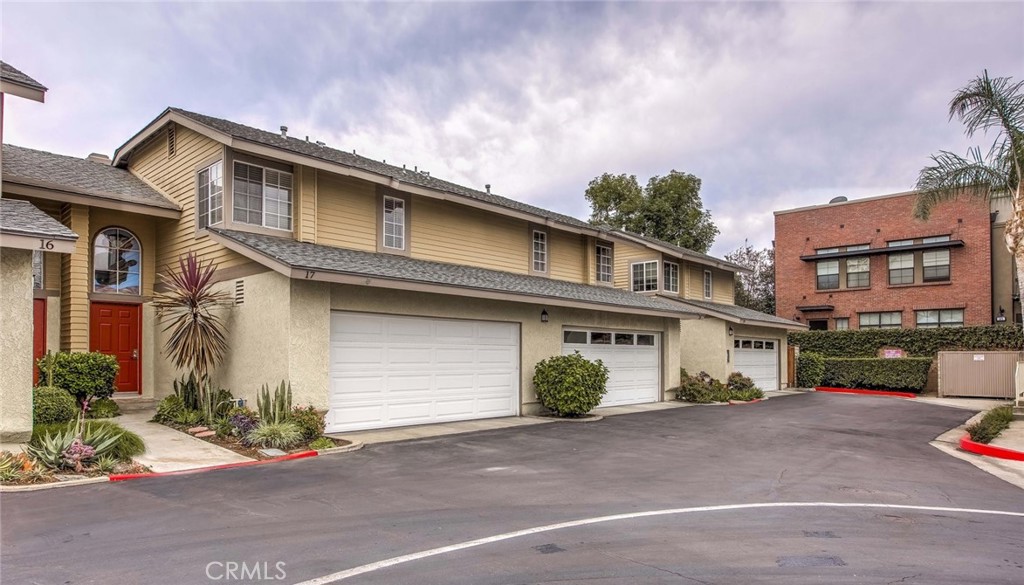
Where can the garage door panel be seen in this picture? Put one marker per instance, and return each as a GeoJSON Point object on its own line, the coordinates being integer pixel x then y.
{"type": "Point", "coordinates": [394, 371]}
{"type": "Point", "coordinates": [634, 371]}
{"type": "Point", "coordinates": [760, 365]}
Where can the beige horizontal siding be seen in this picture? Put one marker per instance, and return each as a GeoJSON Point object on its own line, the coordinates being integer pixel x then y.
{"type": "Point", "coordinates": [346, 212]}
{"type": "Point", "coordinates": [447, 232]}
{"type": "Point", "coordinates": [175, 177]}
{"type": "Point", "coordinates": [625, 254]}
{"type": "Point", "coordinates": [568, 256]}
{"type": "Point", "coordinates": [722, 287]}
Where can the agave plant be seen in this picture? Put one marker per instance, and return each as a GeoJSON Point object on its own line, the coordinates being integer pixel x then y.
{"type": "Point", "coordinates": [49, 452]}
{"type": "Point", "coordinates": [197, 339]}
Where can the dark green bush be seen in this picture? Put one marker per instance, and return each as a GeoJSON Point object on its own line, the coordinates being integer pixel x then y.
{"type": "Point", "coordinates": [309, 420]}
{"type": "Point", "coordinates": [128, 443]}
{"type": "Point", "coordinates": [901, 374]}
{"type": "Point", "coordinates": [810, 369]}
{"type": "Point", "coordinates": [52, 405]}
{"type": "Point", "coordinates": [701, 389]}
{"type": "Point", "coordinates": [103, 408]}
{"type": "Point", "coordinates": [322, 443]}
{"type": "Point", "coordinates": [994, 422]}
{"type": "Point", "coordinates": [84, 374]}
{"type": "Point", "coordinates": [854, 343]}
{"type": "Point", "coordinates": [570, 385]}
{"type": "Point", "coordinates": [169, 409]}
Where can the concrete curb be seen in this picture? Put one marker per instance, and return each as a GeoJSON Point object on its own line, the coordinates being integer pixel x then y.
{"type": "Point", "coordinates": [867, 392]}
{"type": "Point", "coordinates": [589, 418]}
{"type": "Point", "coordinates": [986, 450]}
{"type": "Point", "coordinates": [35, 487]}
{"type": "Point", "coordinates": [742, 402]}
{"type": "Point", "coordinates": [290, 457]}
{"type": "Point", "coordinates": [353, 446]}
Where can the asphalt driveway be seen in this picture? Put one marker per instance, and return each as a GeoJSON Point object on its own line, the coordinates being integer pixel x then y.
{"type": "Point", "coordinates": [297, 521]}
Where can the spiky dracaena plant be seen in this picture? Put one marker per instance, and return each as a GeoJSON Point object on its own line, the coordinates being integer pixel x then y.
{"type": "Point", "coordinates": [197, 339]}
{"type": "Point", "coordinates": [986, 104]}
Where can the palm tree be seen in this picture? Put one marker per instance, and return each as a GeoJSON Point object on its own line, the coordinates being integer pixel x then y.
{"type": "Point", "coordinates": [984, 105]}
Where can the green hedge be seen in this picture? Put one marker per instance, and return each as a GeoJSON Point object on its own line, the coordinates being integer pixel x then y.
{"type": "Point", "coordinates": [901, 374]}
{"type": "Point", "coordinates": [810, 368]}
{"type": "Point", "coordinates": [84, 374]}
{"type": "Point", "coordinates": [916, 342]}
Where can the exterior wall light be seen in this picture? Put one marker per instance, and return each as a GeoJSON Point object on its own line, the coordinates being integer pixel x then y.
{"type": "Point", "coordinates": [544, 316]}
{"type": "Point", "coordinates": [731, 332]}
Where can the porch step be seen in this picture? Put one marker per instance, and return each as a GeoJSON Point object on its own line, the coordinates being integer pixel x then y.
{"type": "Point", "coordinates": [135, 404]}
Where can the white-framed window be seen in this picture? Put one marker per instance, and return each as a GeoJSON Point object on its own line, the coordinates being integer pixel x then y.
{"type": "Point", "coordinates": [394, 223]}
{"type": "Point", "coordinates": [935, 264]}
{"type": "Point", "coordinates": [828, 274]}
{"type": "Point", "coordinates": [857, 248]}
{"type": "Point", "coordinates": [117, 262]}
{"type": "Point", "coordinates": [842, 323]}
{"type": "Point", "coordinates": [262, 196]}
{"type": "Point", "coordinates": [935, 239]}
{"type": "Point", "coordinates": [826, 251]}
{"type": "Point", "coordinates": [604, 263]}
{"type": "Point", "coordinates": [940, 318]}
{"type": "Point", "coordinates": [899, 243]}
{"type": "Point", "coordinates": [645, 276]}
{"type": "Point", "coordinates": [671, 277]}
{"type": "Point", "coordinates": [540, 251]}
{"type": "Point", "coordinates": [901, 268]}
{"type": "Point", "coordinates": [37, 269]}
{"type": "Point", "coordinates": [708, 285]}
{"type": "Point", "coordinates": [210, 196]}
{"type": "Point", "coordinates": [886, 320]}
{"type": "Point", "coordinates": [858, 272]}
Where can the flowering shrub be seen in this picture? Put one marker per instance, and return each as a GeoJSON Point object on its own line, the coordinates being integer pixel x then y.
{"type": "Point", "coordinates": [242, 420]}
{"type": "Point", "coordinates": [77, 453]}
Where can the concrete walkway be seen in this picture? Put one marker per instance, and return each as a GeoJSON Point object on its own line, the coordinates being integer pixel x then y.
{"type": "Point", "coordinates": [171, 450]}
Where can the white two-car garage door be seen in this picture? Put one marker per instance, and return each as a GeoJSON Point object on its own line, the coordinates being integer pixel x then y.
{"type": "Point", "coordinates": [757, 359]}
{"type": "Point", "coordinates": [633, 359]}
{"type": "Point", "coordinates": [388, 371]}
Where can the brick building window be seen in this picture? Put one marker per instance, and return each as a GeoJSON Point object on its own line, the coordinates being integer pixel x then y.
{"type": "Point", "coordinates": [858, 272]}
{"type": "Point", "coordinates": [887, 320]}
{"type": "Point", "coordinates": [936, 265]}
{"type": "Point", "coordinates": [842, 323]}
{"type": "Point", "coordinates": [901, 268]}
{"type": "Point", "coordinates": [940, 318]}
{"type": "Point", "coordinates": [828, 274]}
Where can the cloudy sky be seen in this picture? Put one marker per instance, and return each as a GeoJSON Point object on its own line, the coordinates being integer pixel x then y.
{"type": "Point", "coordinates": [772, 105]}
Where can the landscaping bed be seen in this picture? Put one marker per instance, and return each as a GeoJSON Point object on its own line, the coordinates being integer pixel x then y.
{"type": "Point", "coordinates": [234, 443]}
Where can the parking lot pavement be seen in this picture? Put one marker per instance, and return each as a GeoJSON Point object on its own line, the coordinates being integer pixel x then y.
{"type": "Point", "coordinates": [328, 514]}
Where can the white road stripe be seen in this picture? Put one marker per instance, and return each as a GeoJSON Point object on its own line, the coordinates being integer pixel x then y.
{"type": "Point", "coordinates": [368, 568]}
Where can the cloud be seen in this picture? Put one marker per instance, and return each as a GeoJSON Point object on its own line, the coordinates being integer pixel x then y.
{"type": "Point", "coordinates": [772, 105]}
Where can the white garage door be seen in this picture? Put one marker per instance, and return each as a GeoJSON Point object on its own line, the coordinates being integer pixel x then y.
{"type": "Point", "coordinates": [633, 359]}
{"type": "Point", "coordinates": [390, 371]}
{"type": "Point", "coordinates": [757, 359]}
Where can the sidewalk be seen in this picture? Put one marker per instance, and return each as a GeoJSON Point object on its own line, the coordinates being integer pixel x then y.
{"type": "Point", "coordinates": [171, 450]}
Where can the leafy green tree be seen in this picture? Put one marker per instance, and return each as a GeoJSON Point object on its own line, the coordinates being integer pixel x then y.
{"type": "Point", "coordinates": [755, 291]}
{"type": "Point", "coordinates": [668, 208]}
{"type": "Point", "coordinates": [987, 105]}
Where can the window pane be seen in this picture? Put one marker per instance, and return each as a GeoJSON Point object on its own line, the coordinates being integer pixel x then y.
{"type": "Point", "coordinates": [826, 251]}
{"type": "Point", "coordinates": [540, 251]}
{"type": "Point", "coordinates": [828, 281]}
{"type": "Point", "coordinates": [769, 345]}
{"type": "Point", "coordinates": [842, 323]}
{"type": "Point", "coordinates": [746, 344]}
{"type": "Point", "coordinates": [671, 277]}
{"type": "Point", "coordinates": [624, 339]}
{"type": "Point", "coordinates": [644, 339]}
{"type": "Point", "coordinates": [37, 269]}
{"type": "Point", "coordinates": [857, 248]}
{"type": "Point", "coordinates": [575, 337]}
{"type": "Point", "coordinates": [604, 263]}
{"type": "Point", "coordinates": [935, 239]}
{"type": "Point", "coordinates": [858, 279]}
{"type": "Point", "coordinates": [858, 265]}
{"type": "Point", "coordinates": [758, 345]}
{"type": "Point", "coordinates": [899, 243]}
{"type": "Point", "coordinates": [736, 343]}
{"type": "Point", "coordinates": [600, 338]}
{"type": "Point", "coordinates": [707, 284]}
{"type": "Point", "coordinates": [117, 262]}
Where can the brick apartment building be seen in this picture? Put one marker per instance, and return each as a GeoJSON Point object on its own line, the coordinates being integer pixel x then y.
{"type": "Point", "coordinates": [869, 263]}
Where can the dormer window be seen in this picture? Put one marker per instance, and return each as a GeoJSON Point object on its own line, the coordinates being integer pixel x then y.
{"type": "Point", "coordinates": [262, 196]}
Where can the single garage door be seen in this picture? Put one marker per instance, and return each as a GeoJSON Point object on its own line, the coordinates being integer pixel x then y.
{"type": "Point", "coordinates": [388, 371]}
{"type": "Point", "coordinates": [633, 359]}
{"type": "Point", "coordinates": [757, 359]}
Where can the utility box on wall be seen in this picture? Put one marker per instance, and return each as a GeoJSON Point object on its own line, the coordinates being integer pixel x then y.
{"type": "Point", "coordinates": [982, 374]}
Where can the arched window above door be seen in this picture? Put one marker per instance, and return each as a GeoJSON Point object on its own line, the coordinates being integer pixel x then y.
{"type": "Point", "coordinates": [117, 262]}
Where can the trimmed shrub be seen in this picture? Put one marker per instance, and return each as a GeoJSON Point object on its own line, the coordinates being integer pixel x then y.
{"type": "Point", "coordinates": [322, 443]}
{"type": "Point", "coordinates": [570, 385]}
{"type": "Point", "coordinates": [309, 420]}
{"type": "Point", "coordinates": [865, 343]}
{"type": "Point", "coordinates": [274, 435]}
{"type": "Point", "coordinates": [994, 422]}
{"type": "Point", "coordinates": [902, 374]}
{"type": "Point", "coordinates": [52, 405]}
{"type": "Point", "coordinates": [742, 388]}
{"type": "Point", "coordinates": [810, 369]}
{"type": "Point", "coordinates": [84, 374]}
{"type": "Point", "coordinates": [103, 408]}
{"type": "Point", "coordinates": [701, 389]}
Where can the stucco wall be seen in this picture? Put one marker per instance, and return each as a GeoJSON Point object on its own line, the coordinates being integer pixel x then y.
{"type": "Point", "coordinates": [704, 344]}
{"type": "Point", "coordinates": [16, 344]}
{"type": "Point", "coordinates": [539, 340]}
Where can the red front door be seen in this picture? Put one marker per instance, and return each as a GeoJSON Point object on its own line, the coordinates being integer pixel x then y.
{"type": "Point", "coordinates": [38, 333]}
{"type": "Point", "coordinates": [116, 330]}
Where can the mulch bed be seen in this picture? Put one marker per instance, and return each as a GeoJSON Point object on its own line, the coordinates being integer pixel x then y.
{"type": "Point", "coordinates": [233, 444]}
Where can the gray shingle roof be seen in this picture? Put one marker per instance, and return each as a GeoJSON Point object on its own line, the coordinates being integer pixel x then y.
{"type": "Point", "coordinates": [78, 175]}
{"type": "Point", "coordinates": [11, 73]}
{"type": "Point", "coordinates": [348, 159]}
{"type": "Point", "coordinates": [389, 266]}
{"type": "Point", "coordinates": [21, 218]}
{"type": "Point", "coordinates": [685, 251]}
{"type": "Point", "coordinates": [741, 313]}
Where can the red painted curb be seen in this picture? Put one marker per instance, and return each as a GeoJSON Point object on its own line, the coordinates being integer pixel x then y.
{"type": "Point", "coordinates": [289, 457]}
{"type": "Point", "coordinates": [739, 402]}
{"type": "Point", "coordinates": [862, 391]}
{"type": "Point", "coordinates": [989, 450]}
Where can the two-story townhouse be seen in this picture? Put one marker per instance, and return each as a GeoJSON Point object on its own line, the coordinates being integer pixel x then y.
{"type": "Point", "coordinates": [384, 295]}
{"type": "Point", "coordinates": [868, 263]}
